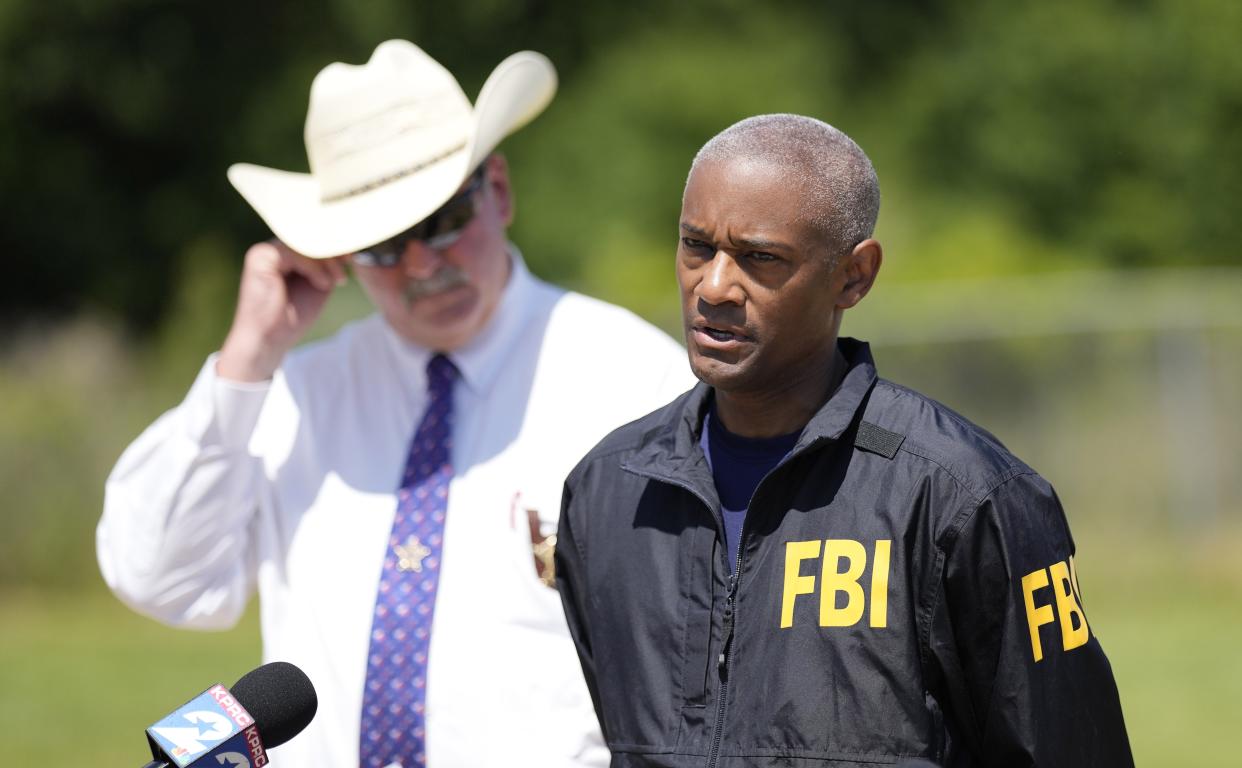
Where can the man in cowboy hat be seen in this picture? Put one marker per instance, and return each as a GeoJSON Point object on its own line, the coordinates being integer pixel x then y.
{"type": "Point", "coordinates": [392, 492]}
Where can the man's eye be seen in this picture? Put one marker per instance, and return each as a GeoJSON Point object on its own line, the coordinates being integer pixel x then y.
{"type": "Point", "coordinates": [761, 256]}
{"type": "Point", "coordinates": [694, 245]}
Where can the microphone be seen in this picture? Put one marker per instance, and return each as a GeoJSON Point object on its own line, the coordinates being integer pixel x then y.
{"type": "Point", "coordinates": [232, 728]}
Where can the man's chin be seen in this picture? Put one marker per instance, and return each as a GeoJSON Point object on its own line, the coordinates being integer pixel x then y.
{"type": "Point", "coordinates": [718, 373]}
{"type": "Point", "coordinates": [445, 333]}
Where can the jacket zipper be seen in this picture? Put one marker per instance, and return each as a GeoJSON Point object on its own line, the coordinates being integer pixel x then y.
{"type": "Point", "coordinates": [722, 661]}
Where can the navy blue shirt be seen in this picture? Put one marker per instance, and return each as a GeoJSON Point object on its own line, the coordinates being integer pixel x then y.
{"type": "Point", "coordinates": [738, 464]}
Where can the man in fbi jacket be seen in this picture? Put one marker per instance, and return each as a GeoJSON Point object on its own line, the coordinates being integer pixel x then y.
{"type": "Point", "coordinates": [798, 563]}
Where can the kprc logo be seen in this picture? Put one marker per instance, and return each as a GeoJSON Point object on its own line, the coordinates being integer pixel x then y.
{"type": "Point", "coordinates": [232, 707]}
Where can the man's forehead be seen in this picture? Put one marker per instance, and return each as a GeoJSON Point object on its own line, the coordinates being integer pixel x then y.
{"type": "Point", "coordinates": [746, 181]}
{"type": "Point", "coordinates": [754, 204]}
{"type": "Point", "coordinates": [743, 188]}
{"type": "Point", "coordinates": [743, 167]}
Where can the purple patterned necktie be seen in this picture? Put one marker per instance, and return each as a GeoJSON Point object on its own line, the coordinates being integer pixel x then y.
{"type": "Point", "coordinates": [394, 697]}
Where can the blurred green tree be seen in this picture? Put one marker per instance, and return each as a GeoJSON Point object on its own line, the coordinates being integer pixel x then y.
{"type": "Point", "coordinates": [1100, 128]}
{"type": "Point", "coordinates": [1110, 126]}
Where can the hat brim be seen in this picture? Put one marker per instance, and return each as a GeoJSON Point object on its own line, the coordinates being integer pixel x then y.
{"type": "Point", "coordinates": [518, 89]}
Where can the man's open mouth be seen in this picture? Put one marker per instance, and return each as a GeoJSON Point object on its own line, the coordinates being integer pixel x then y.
{"type": "Point", "coordinates": [722, 335]}
{"type": "Point", "coordinates": [719, 335]}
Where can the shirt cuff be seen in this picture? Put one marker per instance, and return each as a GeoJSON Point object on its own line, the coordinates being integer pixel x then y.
{"type": "Point", "coordinates": [223, 412]}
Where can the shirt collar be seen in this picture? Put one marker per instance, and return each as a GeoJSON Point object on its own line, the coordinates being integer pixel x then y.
{"type": "Point", "coordinates": [480, 360]}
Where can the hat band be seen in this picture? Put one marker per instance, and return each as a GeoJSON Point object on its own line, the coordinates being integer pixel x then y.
{"type": "Point", "coordinates": [391, 177]}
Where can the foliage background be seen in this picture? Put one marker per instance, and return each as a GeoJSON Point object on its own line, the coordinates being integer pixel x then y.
{"type": "Point", "coordinates": [1060, 221]}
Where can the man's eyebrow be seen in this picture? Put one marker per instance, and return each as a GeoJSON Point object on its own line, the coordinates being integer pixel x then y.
{"type": "Point", "coordinates": [749, 243]}
{"type": "Point", "coordinates": [755, 244]}
{"type": "Point", "coordinates": [759, 244]}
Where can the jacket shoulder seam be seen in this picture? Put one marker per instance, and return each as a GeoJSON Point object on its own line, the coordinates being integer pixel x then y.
{"type": "Point", "coordinates": [976, 492]}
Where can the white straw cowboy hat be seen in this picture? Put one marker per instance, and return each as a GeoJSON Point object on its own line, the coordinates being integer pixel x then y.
{"type": "Point", "coordinates": [389, 142]}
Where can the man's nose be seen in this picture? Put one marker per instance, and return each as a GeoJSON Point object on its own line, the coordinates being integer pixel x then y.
{"type": "Point", "coordinates": [420, 261]}
{"type": "Point", "coordinates": [719, 281]}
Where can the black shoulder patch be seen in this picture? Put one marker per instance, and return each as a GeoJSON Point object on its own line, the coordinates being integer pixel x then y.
{"type": "Point", "coordinates": [878, 440]}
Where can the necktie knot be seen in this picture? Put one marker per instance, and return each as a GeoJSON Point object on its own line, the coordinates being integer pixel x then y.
{"type": "Point", "coordinates": [441, 374]}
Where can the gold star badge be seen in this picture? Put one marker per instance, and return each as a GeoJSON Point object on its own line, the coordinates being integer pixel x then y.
{"type": "Point", "coordinates": [544, 550]}
{"type": "Point", "coordinates": [410, 556]}
{"type": "Point", "coordinates": [545, 560]}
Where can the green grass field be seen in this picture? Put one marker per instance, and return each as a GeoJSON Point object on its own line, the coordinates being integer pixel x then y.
{"type": "Point", "coordinates": [82, 676]}
{"type": "Point", "coordinates": [1168, 610]}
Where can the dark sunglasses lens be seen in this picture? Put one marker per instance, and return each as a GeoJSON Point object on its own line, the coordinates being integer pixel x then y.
{"type": "Point", "coordinates": [386, 254]}
{"type": "Point", "coordinates": [452, 217]}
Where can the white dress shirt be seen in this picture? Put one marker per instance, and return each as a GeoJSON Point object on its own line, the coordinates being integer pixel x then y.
{"type": "Point", "coordinates": [290, 486]}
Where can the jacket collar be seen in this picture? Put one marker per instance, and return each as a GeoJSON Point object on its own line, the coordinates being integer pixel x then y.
{"type": "Point", "coordinates": [671, 449]}
{"type": "Point", "coordinates": [836, 415]}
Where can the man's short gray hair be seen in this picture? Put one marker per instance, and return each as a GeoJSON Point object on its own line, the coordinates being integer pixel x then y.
{"type": "Point", "coordinates": [842, 192]}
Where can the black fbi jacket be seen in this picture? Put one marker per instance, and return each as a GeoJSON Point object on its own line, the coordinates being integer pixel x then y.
{"type": "Point", "coordinates": [905, 592]}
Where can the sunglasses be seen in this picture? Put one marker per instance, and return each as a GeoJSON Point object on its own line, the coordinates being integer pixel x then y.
{"type": "Point", "coordinates": [439, 230]}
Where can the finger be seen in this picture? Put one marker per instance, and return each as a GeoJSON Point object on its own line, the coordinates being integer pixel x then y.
{"type": "Point", "coordinates": [336, 267]}
{"type": "Point", "coordinates": [264, 256]}
{"type": "Point", "coordinates": [316, 271]}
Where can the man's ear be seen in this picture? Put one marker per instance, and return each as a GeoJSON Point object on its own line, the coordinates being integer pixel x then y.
{"type": "Point", "coordinates": [859, 268]}
{"type": "Point", "coordinates": [497, 180]}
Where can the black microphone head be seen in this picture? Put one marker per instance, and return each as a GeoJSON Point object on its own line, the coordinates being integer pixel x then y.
{"type": "Point", "coordinates": [280, 698]}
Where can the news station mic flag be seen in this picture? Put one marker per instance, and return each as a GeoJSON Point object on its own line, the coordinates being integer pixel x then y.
{"type": "Point", "coordinates": [210, 729]}
{"type": "Point", "coordinates": [267, 707]}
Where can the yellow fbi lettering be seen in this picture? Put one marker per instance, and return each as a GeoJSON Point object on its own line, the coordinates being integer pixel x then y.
{"type": "Point", "coordinates": [1068, 599]}
{"type": "Point", "coordinates": [841, 572]}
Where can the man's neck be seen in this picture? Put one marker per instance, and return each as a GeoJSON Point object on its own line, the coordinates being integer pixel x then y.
{"type": "Point", "coordinates": [785, 410]}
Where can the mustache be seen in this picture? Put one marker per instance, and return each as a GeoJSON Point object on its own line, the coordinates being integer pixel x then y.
{"type": "Point", "coordinates": [445, 279]}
